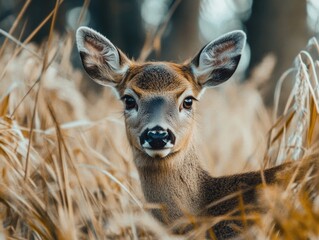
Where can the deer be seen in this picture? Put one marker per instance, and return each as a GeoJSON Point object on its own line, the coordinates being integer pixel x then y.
{"type": "Point", "coordinates": [159, 101]}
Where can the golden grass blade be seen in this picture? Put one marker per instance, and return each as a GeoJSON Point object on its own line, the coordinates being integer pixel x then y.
{"type": "Point", "coordinates": [278, 90]}
{"type": "Point", "coordinates": [19, 43]}
{"type": "Point", "coordinates": [138, 203]}
{"type": "Point", "coordinates": [14, 26]}
{"type": "Point", "coordinates": [48, 47]}
{"type": "Point", "coordinates": [4, 105]}
{"type": "Point", "coordinates": [282, 123]}
{"type": "Point", "coordinates": [308, 68]}
{"type": "Point", "coordinates": [65, 173]}
{"type": "Point", "coordinates": [83, 11]}
{"type": "Point", "coordinates": [312, 123]}
{"type": "Point", "coordinates": [153, 41]}
{"type": "Point", "coordinates": [32, 87]}
{"type": "Point", "coordinates": [27, 162]}
{"type": "Point", "coordinates": [28, 39]}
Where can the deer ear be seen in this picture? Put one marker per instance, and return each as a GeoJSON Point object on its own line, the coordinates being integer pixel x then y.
{"type": "Point", "coordinates": [218, 60]}
{"type": "Point", "coordinates": [104, 63]}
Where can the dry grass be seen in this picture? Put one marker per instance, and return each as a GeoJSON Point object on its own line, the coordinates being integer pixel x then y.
{"type": "Point", "coordinates": [66, 167]}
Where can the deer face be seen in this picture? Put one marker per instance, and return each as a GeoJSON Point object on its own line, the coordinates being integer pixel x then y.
{"type": "Point", "coordinates": [159, 109]}
{"type": "Point", "coordinates": [159, 97]}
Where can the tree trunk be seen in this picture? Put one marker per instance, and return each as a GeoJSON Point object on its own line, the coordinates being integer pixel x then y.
{"type": "Point", "coordinates": [182, 42]}
{"type": "Point", "coordinates": [278, 27]}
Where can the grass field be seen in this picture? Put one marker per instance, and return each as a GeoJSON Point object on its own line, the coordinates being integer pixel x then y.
{"type": "Point", "coordinates": [67, 170]}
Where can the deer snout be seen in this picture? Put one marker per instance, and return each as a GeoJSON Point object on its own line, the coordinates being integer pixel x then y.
{"type": "Point", "coordinates": [157, 138]}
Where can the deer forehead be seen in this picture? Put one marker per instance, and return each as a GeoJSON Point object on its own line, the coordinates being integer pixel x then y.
{"type": "Point", "coordinates": [153, 79]}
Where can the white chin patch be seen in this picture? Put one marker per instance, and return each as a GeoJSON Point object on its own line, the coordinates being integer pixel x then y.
{"type": "Point", "coordinates": [167, 145]}
{"type": "Point", "coordinates": [158, 153]}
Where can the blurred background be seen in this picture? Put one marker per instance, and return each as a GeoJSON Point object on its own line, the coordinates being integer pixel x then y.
{"type": "Point", "coordinates": [278, 27]}
{"type": "Point", "coordinates": [65, 162]}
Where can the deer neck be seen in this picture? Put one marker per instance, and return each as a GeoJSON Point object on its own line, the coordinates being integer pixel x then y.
{"type": "Point", "coordinates": [175, 183]}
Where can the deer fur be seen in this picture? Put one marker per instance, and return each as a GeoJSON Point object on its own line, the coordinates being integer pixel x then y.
{"type": "Point", "coordinates": [156, 96]}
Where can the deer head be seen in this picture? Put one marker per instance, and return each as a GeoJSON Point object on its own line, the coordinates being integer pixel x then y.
{"type": "Point", "coordinates": [159, 97]}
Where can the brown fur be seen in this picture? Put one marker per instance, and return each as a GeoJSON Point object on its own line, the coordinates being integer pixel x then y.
{"type": "Point", "coordinates": [155, 77]}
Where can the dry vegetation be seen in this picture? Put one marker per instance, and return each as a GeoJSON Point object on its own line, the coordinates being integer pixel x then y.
{"type": "Point", "coordinates": [66, 168]}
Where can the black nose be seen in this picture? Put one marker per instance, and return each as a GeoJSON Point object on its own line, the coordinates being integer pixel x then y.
{"type": "Point", "coordinates": [157, 137]}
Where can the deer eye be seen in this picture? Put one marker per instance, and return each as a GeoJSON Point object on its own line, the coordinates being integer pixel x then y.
{"type": "Point", "coordinates": [129, 102]}
{"type": "Point", "coordinates": [187, 103]}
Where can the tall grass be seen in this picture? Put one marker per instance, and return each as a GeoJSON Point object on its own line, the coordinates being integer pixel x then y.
{"type": "Point", "coordinates": [67, 170]}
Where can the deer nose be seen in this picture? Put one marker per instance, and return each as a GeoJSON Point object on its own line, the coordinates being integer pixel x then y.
{"type": "Point", "coordinates": [157, 134]}
{"type": "Point", "coordinates": [157, 138]}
